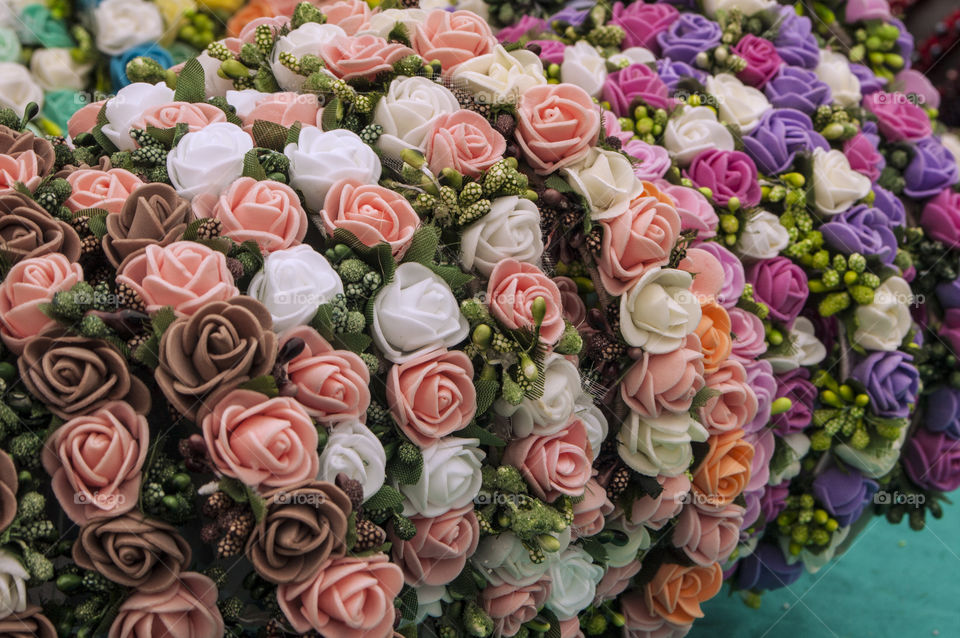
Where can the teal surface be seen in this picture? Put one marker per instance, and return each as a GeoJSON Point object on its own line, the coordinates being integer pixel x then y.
{"type": "Point", "coordinates": [892, 582]}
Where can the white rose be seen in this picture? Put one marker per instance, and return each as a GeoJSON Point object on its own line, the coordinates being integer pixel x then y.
{"type": "Point", "coordinates": [244, 101]}
{"type": "Point", "coordinates": [17, 88]}
{"type": "Point", "coordinates": [746, 7]}
{"type": "Point", "coordinates": [813, 561]}
{"type": "Point", "coordinates": [739, 104]}
{"type": "Point", "coordinates": [205, 162]}
{"type": "Point", "coordinates": [796, 446]}
{"type": "Point", "coordinates": [660, 445]}
{"type": "Point", "coordinates": [501, 76]}
{"type": "Point", "coordinates": [122, 24]}
{"type": "Point", "coordinates": [321, 158]}
{"type": "Point", "coordinates": [55, 69]}
{"type": "Point", "coordinates": [763, 236]}
{"type": "Point", "coordinates": [574, 576]}
{"type": "Point", "coordinates": [357, 452]}
{"type": "Point", "coordinates": [414, 313]}
{"type": "Point", "coordinates": [294, 282]}
{"type": "Point", "coordinates": [300, 42]}
{"type": "Point", "coordinates": [127, 105]}
{"type": "Point", "coordinates": [884, 323]}
{"type": "Point", "coordinates": [450, 478]}
{"type": "Point", "coordinates": [382, 23]}
{"type": "Point", "coordinates": [607, 181]}
{"type": "Point", "coordinates": [407, 110]}
{"type": "Point", "coordinates": [834, 71]}
{"type": "Point", "coordinates": [659, 311]}
{"type": "Point", "coordinates": [596, 424]}
{"type": "Point", "coordinates": [429, 598]}
{"type": "Point", "coordinates": [213, 84]}
{"type": "Point", "coordinates": [693, 130]}
{"type": "Point", "coordinates": [511, 230]}
{"type": "Point", "coordinates": [13, 585]}
{"type": "Point", "coordinates": [877, 459]}
{"type": "Point", "coordinates": [552, 411]}
{"type": "Point", "coordinates": [836, 186]}
{"type": "Point", "coordinates": [584, 66]}
{"type": "Point", "coordinates": [621, 555]}
{"type": "Point", "coordinates": [504, 559]}
{"type": "Point", "coordinates": [805, 349]}
{"type": "Point", "coordinates": [952, 143]}
{"type": "Point", "coordinates": [633, 55]}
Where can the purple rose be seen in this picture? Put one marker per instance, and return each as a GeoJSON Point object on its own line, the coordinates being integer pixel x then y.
{"type": "Point", "coordinates": [869, 82]}
{"type": "Point", "coordinates": [642, 22]}
{"type": "Point", "coordinates": [762, 59]}
{"type": "Point", "coordinates": [760, 378]}
{"type": "Point", "coordinates": [891, 380]}
{"type": "Point", "coordinates": [672, 71]}
{"type": "Point", "coordinates": [863, 156]}
{"type": "Point", "coordinates": [780, 134]}
{"type": "Point", "coordinates": [653, 161]}
{"type": "Point", "coordinates": [781, 285]}
{"type": "Point", "coordinates": [862, 229]}
{"type": "Point", "coordinates": [751, 514]}
{"type": "Point", "coordinates": [795, 385]}
{"type": "Point", "coordinates": [948, 294]}
{"type": "Point", "coordinates": [795, 41]}
{"type": "Point", "coordinates": [943, 411]}
{"type": "Point", "coordinates": [526, 25]}
{"type": "Point", "coordinates": [687, 36]}
{"type": "Point", "coordinates": [932, 460]}
{"type": "Point", "coordinates": [905, 43]}
{"type": "Point", "coordinates": [728, 174]}
{"type": "Point", "coordinates": [767, 568]}
{"type": "Point", "coordinates": [574, 14]}
{"type": "Point", "coordinates": [637, 81]}
{"type": "Point", "coordinates": [932, 169]}
{"type": "Point", "coordinates": [897, 117]}
{"type": "Point", "coordinates": [890, 205]}
{"type": "Point", "coordinates": [843, 492]}
{"type": "Point", "coordinates": [733, 275]}
{"type": "Point", "coordinates": [774, 500]}
{"type": "Point", "coordinates": [941, 217]}
{"type": "Point", "coordinates": [859, 10]}
{"type": "Point", "coordinates": [797, 88]}
{"type": "Point", "coordinates": [950, 328]}
{"type": "Point", "coordinates": [551, 51]}
{"type": "Point", "coordinates": [909, 81]}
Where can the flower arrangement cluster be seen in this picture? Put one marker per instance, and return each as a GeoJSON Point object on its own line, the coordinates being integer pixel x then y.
{"type": "Point", "coordinates": [369, 321]}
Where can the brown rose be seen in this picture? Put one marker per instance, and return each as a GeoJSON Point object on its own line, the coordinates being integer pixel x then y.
{"type": "Point", "coordinates": [153, 214]}
{"type": "Point", "coordinates": [8, 490]}
{"type": "Point", "coordinates": [76, 375]}
{"type": "Point", "coordinates": [220, 346]}
{"type": "Point", "coordinates": [305, 525]}
{"type": "Point", "coordinates": [15, 143]}
{"type": "Point", "coordinates": [26, 230]}
{"type": "Point", "coordinates": [29, 623]}
{"type": "Point", "coordinates": [134, 551]}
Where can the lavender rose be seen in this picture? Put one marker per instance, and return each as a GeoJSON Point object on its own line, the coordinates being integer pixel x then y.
{"type": "Point", "coordinates": [687, 36]}
{"type": "Point", "coordinates": [932, 460]}
{"type": "Point", "coordinates": [642, 22]}
{"type": "Point", "coordinates": [728, 174]}
{"type": "Point", "coordinates": [948, 294]}
{"type": "Point", "coordinates": [795, 41]}
{"type": "Point", "coordinates": [797, 88]}
{"type": "Point", "coordinates": [672, 71]}
{"type": "Point", "coordinates": [892, 382]}
{"type": "Point", "coordinates": [943, 411]}
{"type": "Point", "coordinates": [844, 492]}
{"type": "Point", "coordinates": [862, 229]}
{"type": "Point", "coordinates": [779, 136]}
{"type": "Point", "coordinates": [637, 81]}
{"type": "Point", "coordinates": [795, 385]}
{"type": "Point", "coordinates": [780, 284]}
{"type": "Point", "coordinates": [890, 204]}
{"type": "Point", "coordinates": [869, 81]}
{"type": "Point", "coordinates": [760, 378]}
{"type": "Point", "coordinates": [932, 169]}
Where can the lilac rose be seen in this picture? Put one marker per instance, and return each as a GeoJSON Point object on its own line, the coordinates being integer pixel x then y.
{"type": "Point", "coordinates": [779, 136]}
{"type": "Point", "coordinates": [891, 381]}
{"type": "Point", "coordinates": [869, 81]}
{"type": "Point", "coordinates": [728, 174]}
{"type": "Point", "coordinates": [797, 88]}
{"type": "Point", "coordinates": [890, 205]}
{"type": "Point", "coordinates": [760, 378]}
{"type": "Point", "coordinates": [861, 10]}
{"type": "Point", "coordinates": [761, 57]}
{"type": "Point", "coordinates": [909, 81]}
{"type": "Point", "coordinates": [653, 162]}
{"type": "Point", "coordinates": [795, 41]}
{"type": "Point", "coordinates": [931, 169]}
{"type": "Point", "coordinates": [642, 22]}
{"type": "Point", "coordinates": [932, 460]}
{"type": "Point", "coordinates": [843, 492]}
{"type": "Point", "coordinates": [862, 229]}
{"type": "Point", "coordinates": [637, 81]}
{"type": "Point", "coordinates": [551, 51]}
{"type": "Point", "coordinates": [734, 278]}
{"type": "Point", "coordinates": [948, 294]}
{"type": "Point", "coordinates": [767, 568]}
{"type": "Point", "coordinates": [905, 42]}
{"type": "Point", "coordinates": [781, 285]}
{"type": "Point", "coordinates": [943, 411]}
{"type": "Point", "coordinates": [672, 71]}
{"type": "Point", "coordinates": [526, 25]}
{"type": "Point", "coordinates": [774, 500]}
{"type": "Point", "coordinates": [687, 36]}
{"type": "Point", "coordinates": [795, 385]}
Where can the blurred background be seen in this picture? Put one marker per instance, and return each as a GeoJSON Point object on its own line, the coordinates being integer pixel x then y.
{"type": "Point", "coordinates": [935, 25]}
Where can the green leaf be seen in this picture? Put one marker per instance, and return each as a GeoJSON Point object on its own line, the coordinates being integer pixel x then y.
{"type": "Point", "coordinates": [162, 320]}
{"type": "Point", "coordinates": [595, 548]}
{"type": "Point", "coordinates": [464, 585]}
{"type": "Point", "coordinates": [557, 183]}
{"type": "Point", "coordinates": [252, 167]}
{"type": "Point", "coordinates": [408, 602]}
{"type": "Point", "coordinates": [474, 431]}
{"type": "Point", "coordinates": [354, 342]}
{"type": "Point", "coordinates": [163, 135]}
{"type": "Point", "coordinates": [454, 277]}
{"type": "Point", "coordinates": [701, 397]}
{"type": "Point", "coordinates": [257, 503]}
{"type": "Point", "coordinates": [148, 352]}
{"type": "Point", "coordinates": [293, 133]}
{"type": "Point", "coordinates": [332, 114]}
{"type": "Point", "coordinates": [386, 498]}
{"type": "Point", "coordinates": [234, 489]}
{"type": "Point", "coordinates": [265, 384]}
{"type": "Point", "coordinates": [486, 394]}
{"type": "Point", "coordinates": [191, 85]}
{"type": "Point", "coordinates": [406, 472]}
{"type": "Point", "coordinates": [322, 321]}
{"type": "Point", "coordinates": [98, 225]}
{"type": "Point", "coordinates": [270, 135]}
{"type": "Point", "coordinates": [423, 246]}
{"type": "Point", "coordinates": [379, 257]}
{"type": "Point", "coordinates": [98, 133]}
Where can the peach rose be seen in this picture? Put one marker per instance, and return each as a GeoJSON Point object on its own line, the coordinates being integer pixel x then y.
{"type": "Point", "coordinates": [664, 382]}
{"type": "Point", "coordinates": [351, 597]}
{"type": "Point", "coordinates": [654, 512]}
{"type": "Point", "coordinates": [186, 610]}
{"type": "Point", "coordinates": [463, 141]}
{"type": "Point", "coordinates": [266, 212]}
{"type": "Point", "coordinates": [29, 284]}
{"type": "Point", "coordinates": [707, 273]}
{"type": "Point", "coordinates": [101, 189]}
{"type": "Point", "coordinates": [332, 385]}
{"type": "Point", "coordinates": [362, 56]}
{"type": "Point", "coordinates": [511, 291]}
{"type": "Point", "coordinates": [285, 109]}
{"type": "Point", "coordinates": [556, 125]}
{"type": "Point", "coordinates": [350, 15]}
{"type": "Point", "coordinates": [195, 115]}
{"type": "Point", "coordinates": [24, 169]}
{"type": "Point", "coordinates": [510, 606]}
{"type": "Point", "coordinates": [84, 120]}
{"type": "Point", "coordinates": [185, 275]}
{"type": "Point", "coordinates": [432, 395]}
{"type": "Point", "coordinates": [253, 10]}
{"type": "Point", "coordinates": [714, 333]}
{"type": "Point", "coordinates": [440, 549]}
{"type": "Point", "coordinates": [373, 213]}
{"type": "Point", "coordinates": [262, 442]}
{"type": "Point", "coordinates": [643, 623]}
{"type": "Point", "coordinates": [554, 464]}
{"type": "Point", "coordinates": [675, 593]}
{"type": "Point", "coordinates": [248, 33]}
{"type": "Point", "coordinates": [452, 37]}
{"type": "Point", "coordinates": [735, 403]}
{"type": "Point", "coordinates": [708, 536]}
{"type": "Point", "coordinates": [589, 513]}
{"type": "Point", "coordinates": [616, 580]}
{"type": "Point", "coordinates": [725, 471]}
{"type": "Point", "coordinates": [95, 461]}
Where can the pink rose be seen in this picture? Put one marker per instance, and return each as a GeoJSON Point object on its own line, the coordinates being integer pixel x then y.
{"type": "Point", "coordinates": [284, 109]}
{"type": "Point", "coordinates": [708, 536]}
{"type": "Point", "coordinates": [653, 161]}
{"type": "Point", "coordinates": [863, 156]}
{"type": "Point", "coordinates": [94, 188]}
{"type": "Point", "coordinates": [185, 275]}
{"type": "Point", "coordinates": [557, 124]}
{"type": "Point", "coordinates": [266, 212]}
{"type": "Point", "coordinates": [510, 606]}
{"type": "Point", "coordinates": [658, 383]}
{"type": "Point", "coordinates": [656, 511]}
{"type": "Point", "coordinates": [186, 610]}
{"type": "Point", "coordinates": [262, 442]}
{"type": "Point", "coordinates": [350, 15]}
{"type": "Point", "coordinates": [898, 118]}
{"type": "Point", "coordinates": [635, 82]}
{"type": "Point", "coordinates": [696, 213]}
{"type": "Point", "coordinates": [762, 59]}
{"type": "Point", "coordinates": [735, 405]}
{"type": "Point", "coordinates": [23, 168]}
{"type": "Point", "coordinates": [463, 141]}
{"type": "Point", "coordinates": [616, 580]}
{"type": "Point", "coordinates": [432, 395]}
{"type": "Point", "coordinates": [589, 514]}
{"type": "Point", "coordinates": [941, 217]}
{"type": "Point", "coordinates": [332, 385]}
{"type": "Point", "coordinates": [643, 623]}
{"type": "Point", "coordinates": [374, 214]}
{"type": "Point", "coordinates": [513, 288]}
{"type": "Point", "coordinates": [29, 284]}
{"type": "Point", "coordinates": [913, 81]}
{"type": "Point", "coordinates": [84, 120]}
{"type": "Point", "coordinates": [574, 309]}
{"type": "Point", "coordinates": [727, 174]}
{"type": "Point", "coordinates": [195, 115]}
{"type": "Point", "coordinates": [452, 37]}
{"type": "Point", "coordinates": [637, 240]}
{"type": "Point", "coordinates": [248, 34]}
{"type": "Point", "coordinates": [95, 461]}
{"type": "Point", "coordinates": [351, 597]}
{"type": "Point", "coordinates": [553, 464]}
{"type": "Point", "coordinates": [551, 51]}
{"type": "Point", "coordinates": [641, 22]}
{"type": "Point", "coordinates": [764, 444]}
{"type": "Point", "coordinates": [749, 340]}
{"type": "Point", "coordinates": [440, 548]}
{"type": "Point", "coordinates": [362, 56]}
{"type": "Point", "coordinates": [708, 273]}
{"type": "Point", "coordinates": [570, 628]}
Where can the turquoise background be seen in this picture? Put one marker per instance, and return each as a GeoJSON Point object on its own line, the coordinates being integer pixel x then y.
{"type": "Point", "coordinates": [892, 582]}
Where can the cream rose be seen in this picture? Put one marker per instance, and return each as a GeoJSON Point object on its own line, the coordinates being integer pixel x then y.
{"type": "Point", "coordinates": [786, 463]}
{"type": "Point", "coordinates": [693, 130]}
{"type": "Point", "coordinates": [836, 186]}
{"type": "Point", "coordinates": [205, 162]}
{"type": "Point", "coordinates": [834, 71]}
{"type": "Point", "coordinates": [883, 324]}
{"type": "Point", "coordinates": [762, 237]}
{"type": "Point", "coordinates": [594, 420]}
{"type": "Point", "coordinates": [450, 478]}
{"type": "Point", "coordinates": [13, 584]}
{"type": "Point", "coordinates": [127, 105]}
{"type": "Point", "coordinates": [383, 22]}
{"type": "Point", "coordinates": [805, 348]}
{"type": "Point", "coordinates": [354, 450]}
{"type": "Point", "coordinates": [502, 76]}
{"type": "Point", "coordinates": [633, 55]}
{"type": "Point", "coordinates": [584, 66]}
{"type": "Point", "coordinates": [746, 7]}
{"type": "Point", "coordinates": [660, 445]}
{"type": "Point", "coordinates": [122, 24]}
{"type": "Point", "coordinates": [552, 411]}
{"type": "Point", "coordinates": [294, 282]}
{"type": "Point", "coordinates": [511, 230]}
{"type": "Point", "coordinates": [504, 560]}
{"type": "Point", "coordinates": [300, 42]}
{"type": "Point", "coordinates": [622, 554]}
{"type": "Point", "coordinates": [574, 576]}
{"type": "Point", "coordinates": [55, 69]}
{"type": "Point", "coordinates": [659, 311]}
{"type": "Point", "coordinates": [321, 158]}
{"type": "Point", "coordinates": [606, 180]}
{"type": "Point", "coordinates": [739, 104]}
{"type": "Point", "coordinates": [17, 87]}
{"type": "Point", "coordinates": [406, 111]}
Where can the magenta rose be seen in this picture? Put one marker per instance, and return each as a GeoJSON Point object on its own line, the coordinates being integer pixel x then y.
{"type": "Point", "coordinates": [932, 460]}
{"type": "Point", "coordinates": [551, 51]}
{"type": "Point", "coordinates": [795, 385]}
{"type": "Point", "coordinates": [762, 59]}
{"type": "Point", "coordinates": [780, 284]}
{"type": "Point", "coordinates": [950, 328]}
{"type": "Point", "coordinates": [898, 118]}
{"type": "Point", "coordinates": [728, 174]}
{"type": "Point", "coordinates": [941, 217]}
{"type": "Point", "coordinates": [637, 81]}
{"type": "Point", "coordinates": [641, 22]}
{"type": "Point", "coordinates": [863, 156]}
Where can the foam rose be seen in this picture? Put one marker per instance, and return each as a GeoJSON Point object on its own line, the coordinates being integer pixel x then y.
{"type": "Point", "coordinates": [265, 212]}
{"type": "Point", "coordinates": [554, 464]}
{"type": "Point", "coordinates": [362, 56]}
{"type": "Point", "coordinates": [556, 126]}
{"type": "Point", "coordinates": [100, 189]}
{"type": "Point", "coordinates": [725, 471]}
{"type": "Point", "coordinates": [463, 141]}
{"type": "Point", "coordinates": [440, 548]}
{"type": "Point", "coordinates": [373, 214]}
{"type": "Point", "coordinates": [452, 37]}
{"type": "Point", "coordinates": [195, 115]}
{"type": "Point", "coordinates": [667, 382]}
{"type": "Point", "coordinates": [511, 292]}
{"type": "Point", "coordinates": [28, 285]}
{"type": "Point", "coordinates": [735, 403]}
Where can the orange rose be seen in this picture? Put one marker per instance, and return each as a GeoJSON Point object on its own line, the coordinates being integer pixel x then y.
{"type": "Point", "coordinates": [725, 471]}
{"type": "Point", "coordinates": [266, 212]}
{"type": "Point", "coordinates": [439, 550]}
{"type": "Point", "coordinates": [101, 189]}
{"type": "Point", "coordinates": [247, 14]}
{"type": "Point", "coordinates": [194, 115]}
{"type": "Point", "coordinates": [452, 37]}
{"type": "Point", "coordinates": [373, 213]}
{"type": "Point", "coordinates": [714, 333]}
{"type": "Point", "coordinates": [675, 593]}
{"type": "Point", "coordinates": [463, 141]}
{"type": "Point", "coordinates": [362, 56]}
